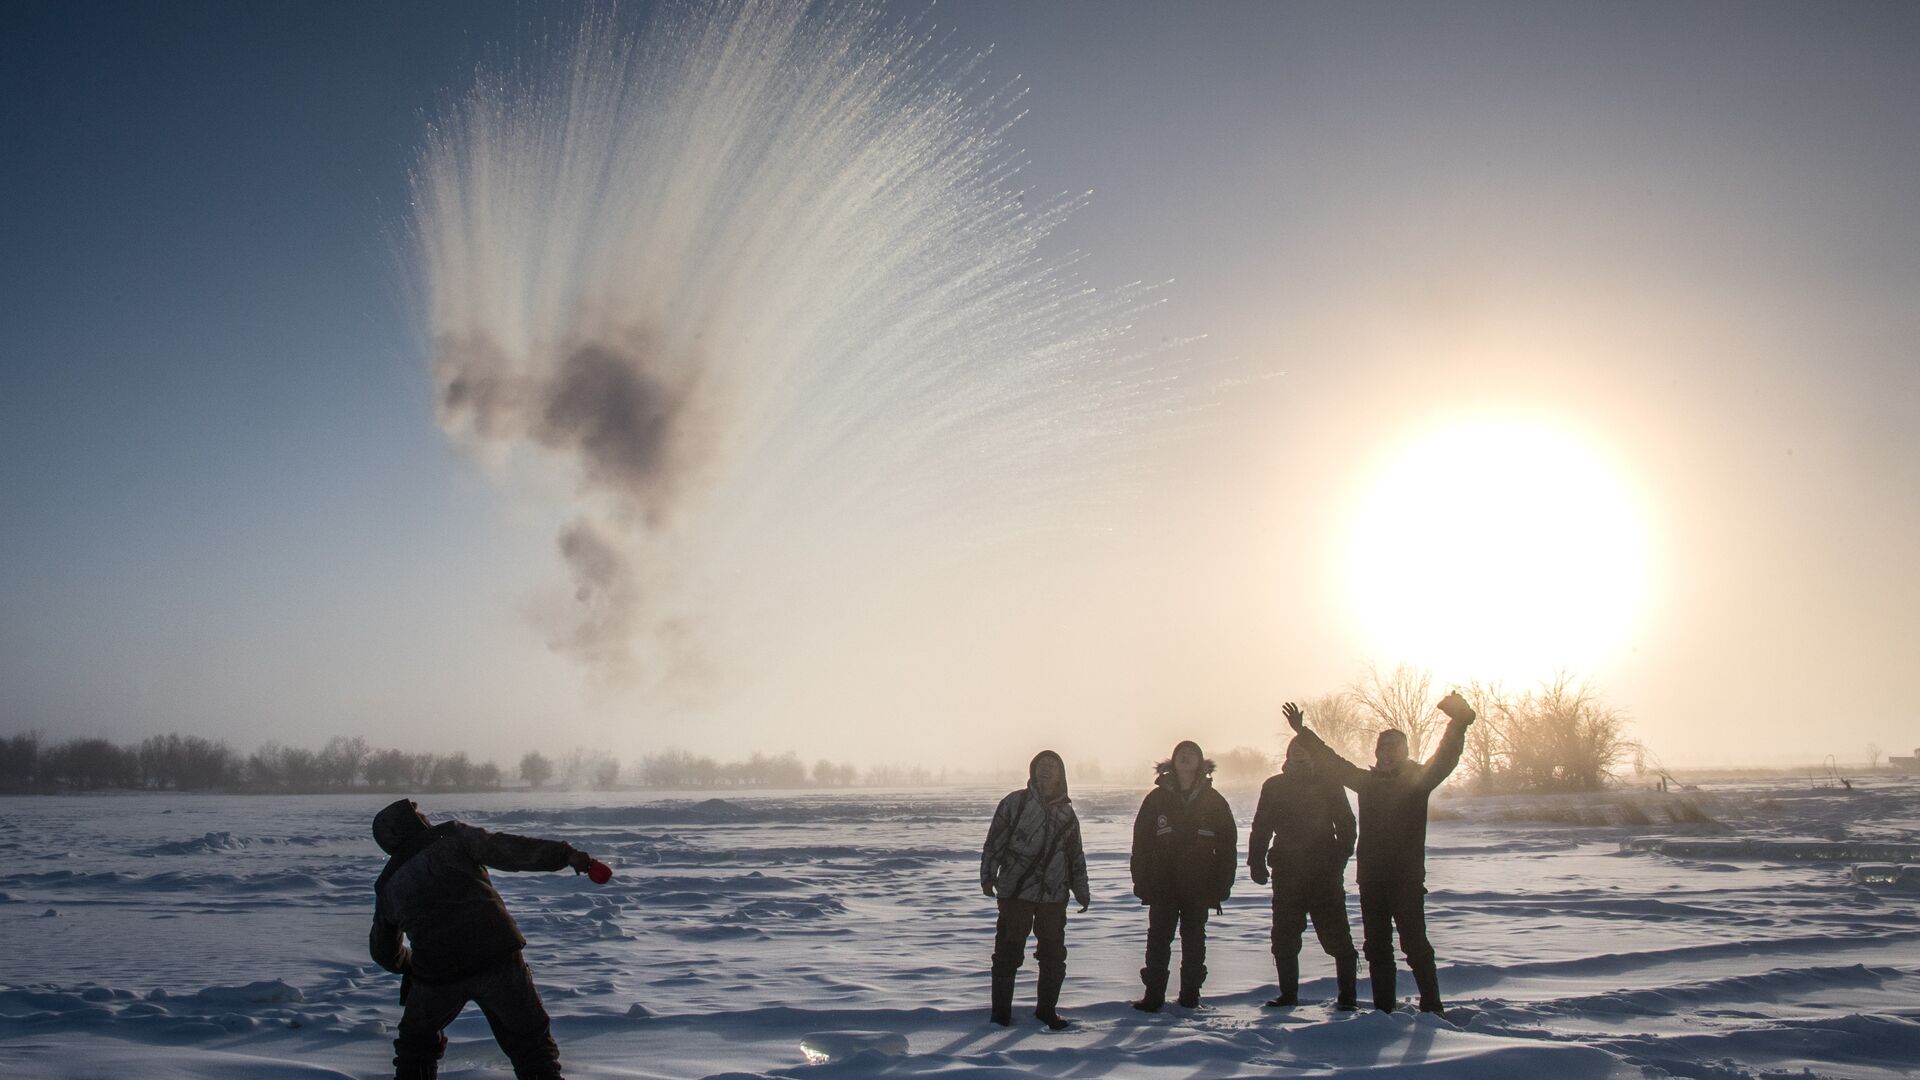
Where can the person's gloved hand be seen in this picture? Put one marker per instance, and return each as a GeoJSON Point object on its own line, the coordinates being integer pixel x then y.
{"type": "Point", "coordinates": [986, 887]}
{"type": "Point", "coordinates": [1085, 903]}
{"type": "Point", "coordinates": [579, 860]}
{"type": "Point", "coordinates": [1257, 871]}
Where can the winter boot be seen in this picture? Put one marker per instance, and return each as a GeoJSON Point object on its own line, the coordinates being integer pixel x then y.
{"type": "Point", "coordinates": [1047, 1007]}
{"type": "Point", "coordinates": [1190, 982]}
{"type": "Point", "coordinates": [1156, 995]}
{"type": "Point", "coordinates": [1347, 971]}
{"type": "Point", "coordinates": [1382, 978]}
{"type": "Point", "coordinates": [1002, 1013]}
{"type": "Point", "coordinates": [1425, 977]}
{"type": "Point", "coordinates": [1289, 970]}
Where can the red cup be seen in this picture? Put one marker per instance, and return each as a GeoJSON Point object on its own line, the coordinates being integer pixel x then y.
{"type": "Point", "coordinates": [600, 872]}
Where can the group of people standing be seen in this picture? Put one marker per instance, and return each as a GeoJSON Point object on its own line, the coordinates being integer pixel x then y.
{"type": "Point", "coordinates": [1186, 856]}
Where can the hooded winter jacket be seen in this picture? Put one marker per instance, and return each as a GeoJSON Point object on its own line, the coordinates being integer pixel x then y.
{"type": "Point", "coordinates": [1393, 803]}
{"type": "Point", "coordinates": [1033, 847]}
{"type": "Point", "coordinates": [436, 891]}
{"type": "Point", "coordinates": [1185, 846]}
{"type": "Point", "coordinates": [1302, 828]}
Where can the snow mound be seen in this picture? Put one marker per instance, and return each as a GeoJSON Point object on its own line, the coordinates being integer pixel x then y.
{"type": "Point", "coordinates": [822, 1047]}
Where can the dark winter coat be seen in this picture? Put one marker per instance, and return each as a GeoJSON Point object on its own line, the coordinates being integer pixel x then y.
{"type": "Point", "coordinates": [436, 891]}
{"type": "Point", "coordinates": [1185, 845]}
{"type": "Point", "coordinates": [1033, 847]}
{"type": "Point", "coordinates": [1393, 804]}
{"type": "Point", "coordinates": [1302, 828]}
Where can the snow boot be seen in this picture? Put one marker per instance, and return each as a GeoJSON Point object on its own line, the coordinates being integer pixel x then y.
{"type": "Point", "coordinates": [1347, 971]}
{"type": "Point", "coordinates": [1288, 968]}
{"type": "Point", "coordinates": [1047, 1006]}
{"type": "Point", "coordinates": [1002, 1013]}
{"type": "Point", "coordinates": [1156, 995]}
{"type": "Point", "coordinates": [1190, 982]}
{"type": "Point", "coordinates": [1428, 979]}
{"type": "Point", "coordinates": [1382, 978]}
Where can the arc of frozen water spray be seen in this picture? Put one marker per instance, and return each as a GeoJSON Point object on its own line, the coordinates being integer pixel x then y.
{"type": "Point", "coordinates": [759, 270]}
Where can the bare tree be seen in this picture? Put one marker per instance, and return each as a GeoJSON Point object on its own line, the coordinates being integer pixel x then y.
{"type": "Point", "coordinates": [1402, 699]}
{"type": "Point", "coordinates": [1242, 766]}
{"type": "Point", "coordinates": [1873, 755]}
{"type": "Point", "coordinates": [536, 768]}
{"type": "Point", "coordinates": [1340, 722]}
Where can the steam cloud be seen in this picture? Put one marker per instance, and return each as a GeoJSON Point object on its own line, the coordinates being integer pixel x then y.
{"type": "Point", "coordinates": [755, 280]}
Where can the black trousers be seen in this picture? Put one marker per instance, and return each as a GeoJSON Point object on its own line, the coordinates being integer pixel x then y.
{"type": "Point", "coordinates": [512, 1006]}
{"type": "Point", "coordinates": [1190, 917]}
{"type": "Point", "coordinates": [1389, 905]}
{"type": "Point", "coordinates": [1322, 898]}
{"type": "Point", "coordinates": [1019, 918]}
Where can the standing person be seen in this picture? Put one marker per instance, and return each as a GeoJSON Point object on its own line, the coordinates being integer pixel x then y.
{"type": "Point", "coordinates": [464, 944]}
{"type": "Point", "coordinates": [1032, 859]}
{"type": "Point", "coordinates": [1393, 844]}
{"type": "Point", "coordinates": [1184, 859]}
{"type": "Point", "coordinates": [1303, 832]}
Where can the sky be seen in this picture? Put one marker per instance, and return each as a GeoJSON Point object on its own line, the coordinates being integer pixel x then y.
{"type": "Point", "coordinates": [1685, 239]}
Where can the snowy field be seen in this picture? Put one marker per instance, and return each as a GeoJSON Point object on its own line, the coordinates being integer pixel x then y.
{"type": "Point", "coordinates": [211, 936]}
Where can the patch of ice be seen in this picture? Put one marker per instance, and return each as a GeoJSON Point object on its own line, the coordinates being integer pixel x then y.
{"type": "Point", "coordinates": [822, 1047]}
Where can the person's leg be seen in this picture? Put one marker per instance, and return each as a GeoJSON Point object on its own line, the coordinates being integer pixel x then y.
{"type": "Point", "coordinates": [1009, 951]}
{"type": "Point", "coordinates": [1050, 928]}
{"type": "Point", "coordinates": [422, 1037]}
{"type": "Point", "coordinates": [1162, 918]}
{"type": "Point", "coordinates": [1376, 924]}
{"type": "Point", "coordinates": [519, 1020]}
{"type": "Point", "coordinates": [1410, 917]}
{"type": "Point", "coordinates": [1289, 920]}
{"type": "Point", "coordinates": [1193, 952]}
{"type": "Point", "coordinates": [1330, 925]}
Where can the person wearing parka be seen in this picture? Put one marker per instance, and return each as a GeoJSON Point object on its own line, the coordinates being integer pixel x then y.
{"type": "Point", "coordinates": [1393, 844]}
{"type": "Point", "coordinates": [1185, 855]}
{"type": "Point", "coordinates": [1032, 859]}
{"type": "Point", "coordinates": [461, 943]}
{"type": "Point", "coordinates": [1302, 835]}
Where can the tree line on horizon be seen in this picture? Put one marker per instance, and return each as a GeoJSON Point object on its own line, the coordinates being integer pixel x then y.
{"type": "Point", "coordinates": [174, 762]}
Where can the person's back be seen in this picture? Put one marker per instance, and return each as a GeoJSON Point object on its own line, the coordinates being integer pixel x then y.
{"type": "Point", "coordinates": [1302, 834]}
{"type": "Point", "coordinates": [1302, 826]}
{"type": "Point", "coordinates": [461, 943]}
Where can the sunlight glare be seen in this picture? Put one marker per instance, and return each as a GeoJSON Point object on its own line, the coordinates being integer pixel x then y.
{"type": "Point", "coordinates": [1498, 549]}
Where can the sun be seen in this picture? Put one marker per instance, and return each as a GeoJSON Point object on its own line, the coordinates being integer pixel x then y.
{"type": "Point", "coordinates": [1498, 549]}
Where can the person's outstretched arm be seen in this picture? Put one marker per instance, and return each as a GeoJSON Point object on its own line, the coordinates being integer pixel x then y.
{"type": "Point", "coordinates": [1329, 762]}
{"type": "Point", "coordinates": [505, 851]}
{"type": "Point", "coordinates": [995, 848]}
{"type": "Point", "coordinates": [1446, 757]}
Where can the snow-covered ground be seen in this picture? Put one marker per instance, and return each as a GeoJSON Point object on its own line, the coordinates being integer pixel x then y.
{"type": "Point", "coordinates": [210, 936]}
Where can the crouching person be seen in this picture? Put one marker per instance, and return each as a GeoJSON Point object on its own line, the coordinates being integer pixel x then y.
{"type": "Point", "coordinates": [1031, 861]}
{"type": "Point", "coordinates": [461, 944]}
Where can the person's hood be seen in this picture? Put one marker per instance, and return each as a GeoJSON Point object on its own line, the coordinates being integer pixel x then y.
{"type": "Point", "coordinates": [399, 822]}
{"type": "Point", "coordinates": [1166, 777]}
{"type": "Point", "coordinates": [1033, 768]}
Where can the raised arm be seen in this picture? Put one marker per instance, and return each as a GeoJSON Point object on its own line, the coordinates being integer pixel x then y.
{"type": "Point", "coordinates": [1330, 764]}
{"type": "Point", "coordinates": [505, 851]}
{"type": "Point", "coordinates": [1446, 757]}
